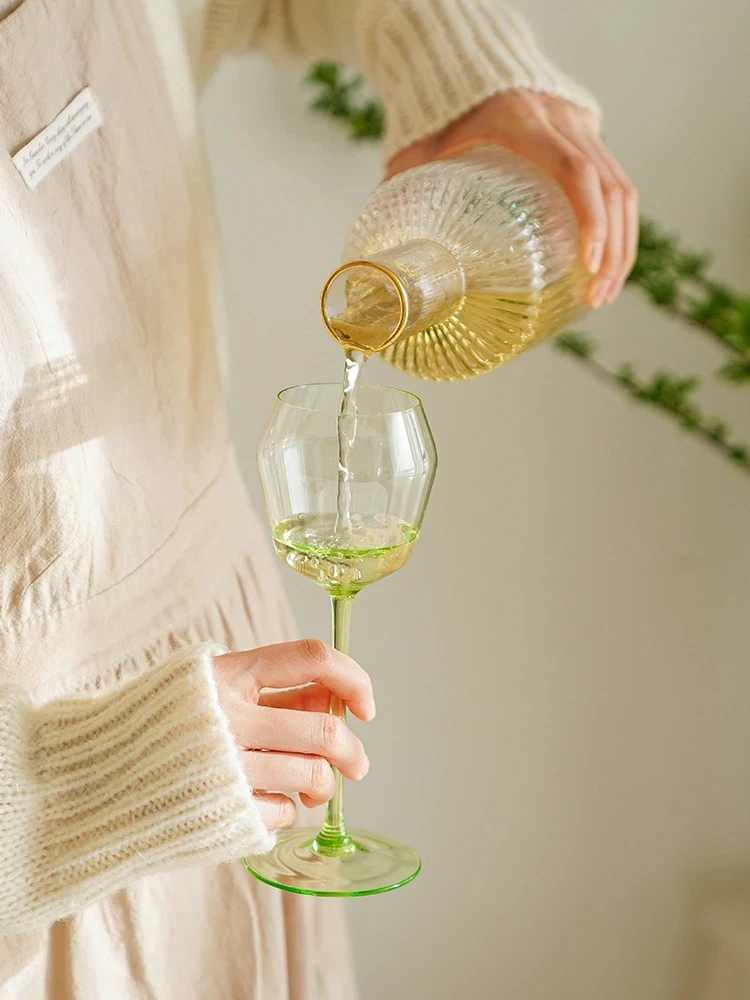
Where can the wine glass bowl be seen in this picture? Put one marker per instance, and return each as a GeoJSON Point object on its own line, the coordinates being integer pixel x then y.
{"type": "Point", "coordinates": [391, 463]}
{"type": "Point", "coordinates": [390, 466]}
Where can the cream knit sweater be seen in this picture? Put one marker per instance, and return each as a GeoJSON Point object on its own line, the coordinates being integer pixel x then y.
{"type": "Point", "coordinates": [429, 60]}
{"type": "Point", "coordinates": [96, 791]}
{"type": "Point", "coordinates": [100, 790]}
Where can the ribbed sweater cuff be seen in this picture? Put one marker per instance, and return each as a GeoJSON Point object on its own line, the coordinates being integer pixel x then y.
{"type": "Point", "coordinates": [127, 783]}
{"type": "Point", "coordinates": [431, 61]}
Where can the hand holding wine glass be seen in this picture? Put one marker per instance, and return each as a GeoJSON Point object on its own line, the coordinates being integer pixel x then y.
{"type": "Point", "coordinates": [277, 700]}
{"type": "Point", "coordinates": [346, 490]}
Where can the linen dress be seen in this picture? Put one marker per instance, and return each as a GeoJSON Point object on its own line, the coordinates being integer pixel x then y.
{"type": "Point", "coordinates": [127, 533]}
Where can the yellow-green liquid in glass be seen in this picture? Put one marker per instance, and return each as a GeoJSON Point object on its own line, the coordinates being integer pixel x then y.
{"type": "Point", "coordinates": [344, 560]}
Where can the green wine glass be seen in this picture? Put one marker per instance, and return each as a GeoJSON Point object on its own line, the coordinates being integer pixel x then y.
{"type": "Point", "coordinates": [390, 467]}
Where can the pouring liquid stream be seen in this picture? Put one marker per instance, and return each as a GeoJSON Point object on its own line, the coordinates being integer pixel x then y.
{"type": "Point", "coordinates": [347, 431]}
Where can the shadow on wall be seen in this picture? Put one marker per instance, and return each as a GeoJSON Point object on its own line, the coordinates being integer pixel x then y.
{"type": "Point", "coordinates": [716, 959]}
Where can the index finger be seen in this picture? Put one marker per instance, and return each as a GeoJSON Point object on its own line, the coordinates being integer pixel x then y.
{"type": "Point", "coordinates": [307, 661]}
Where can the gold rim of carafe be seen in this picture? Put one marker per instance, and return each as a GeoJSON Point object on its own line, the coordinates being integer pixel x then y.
{"type": "Point", "coordinates": [403, 300]}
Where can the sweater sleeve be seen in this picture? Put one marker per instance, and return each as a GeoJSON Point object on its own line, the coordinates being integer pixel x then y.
{"type": "Point", "coordinates": [97, 792]}
{"type": "Point", "coordinates": [430, 61]}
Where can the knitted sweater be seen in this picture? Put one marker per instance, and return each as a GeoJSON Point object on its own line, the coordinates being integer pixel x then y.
{"type": "Point", "coordinates": [430, 61]}
{"type": "Point", "coordinates": [98, 790]}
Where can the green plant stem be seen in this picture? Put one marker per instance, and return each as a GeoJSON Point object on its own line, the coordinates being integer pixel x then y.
{"type": "Point", "coordinates": [683, 313]}
{"type": "Point", "coordinates": [735, 452]}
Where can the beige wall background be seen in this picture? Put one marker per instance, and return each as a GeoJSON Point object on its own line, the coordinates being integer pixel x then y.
{"type": "Point", "coordinates": [562, 671]}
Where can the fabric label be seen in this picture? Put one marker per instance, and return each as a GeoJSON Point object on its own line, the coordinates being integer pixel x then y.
{"type": "Point", "coordinates": [54, 143]}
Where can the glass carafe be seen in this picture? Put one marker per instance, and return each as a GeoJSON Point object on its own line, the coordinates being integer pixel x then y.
{"type": "Point", "coordinates": [454, 267]}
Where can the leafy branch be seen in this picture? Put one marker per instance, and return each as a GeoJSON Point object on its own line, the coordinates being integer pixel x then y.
{"type": "Point", "coordinates": [340, 98]}
{"type": "Point", "coordinates": [673, 279]}
{"type": "Point", "coordinates": [669, 393]}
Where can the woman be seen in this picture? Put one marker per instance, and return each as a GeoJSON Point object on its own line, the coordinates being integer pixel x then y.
{"type": "Point", "coordinates": [131, 561]}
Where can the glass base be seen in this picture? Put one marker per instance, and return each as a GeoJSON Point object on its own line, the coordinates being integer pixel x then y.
{"type": "Point", "coordinates": [372, 863]}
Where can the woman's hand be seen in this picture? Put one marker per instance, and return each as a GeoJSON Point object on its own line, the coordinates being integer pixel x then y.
{"type": "Point", "coordinates": [563, 140]}
{"type": "Point", "coordinates": [287, 736]}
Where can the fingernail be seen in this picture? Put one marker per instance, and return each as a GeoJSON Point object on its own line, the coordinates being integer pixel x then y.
{"type": "Point", "coordinates": [594, 257]}
{"type": "Point", "coordinates": [365, 766]}
{"type": "Point", "coordinates": [600, 293]}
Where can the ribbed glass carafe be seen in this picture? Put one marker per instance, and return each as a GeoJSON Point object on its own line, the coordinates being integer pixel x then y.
{"type": "Point", "coordinates": [455, 267]}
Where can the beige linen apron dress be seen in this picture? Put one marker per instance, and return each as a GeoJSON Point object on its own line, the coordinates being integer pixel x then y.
{"type": "Point", "coordinates": [126, 532]}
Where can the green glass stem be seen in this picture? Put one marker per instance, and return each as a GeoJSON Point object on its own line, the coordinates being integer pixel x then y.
{"type": "Point", "coordinates": [332, 840]}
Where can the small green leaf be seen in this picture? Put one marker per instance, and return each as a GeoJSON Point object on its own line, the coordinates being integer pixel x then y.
{"type": "Point", "coordinates": [691, 421]}
{"type": "Point", "coordinates": [327, 73]}
{"type": "Point", "coordinates": [692, 265]}
{"type": "Point", "coordinates": [737, 372]}
{"type": "Point", "coordinates": [662, 289]}
{"type": "Point", "coordinates": [575, 343]}
{"type": "Point", "coordinates": [718, 430]}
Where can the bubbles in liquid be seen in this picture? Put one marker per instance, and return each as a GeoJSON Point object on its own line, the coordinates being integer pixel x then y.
{"type": "Point", "coordinates": [345, 561]}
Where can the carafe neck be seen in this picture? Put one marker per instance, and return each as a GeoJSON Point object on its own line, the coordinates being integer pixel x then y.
{"type": "Point", "coordinates": [369, 304]}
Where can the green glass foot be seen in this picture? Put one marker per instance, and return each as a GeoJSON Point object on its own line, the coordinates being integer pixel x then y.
{"type": "Point", "coordinates": [373, 863]}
